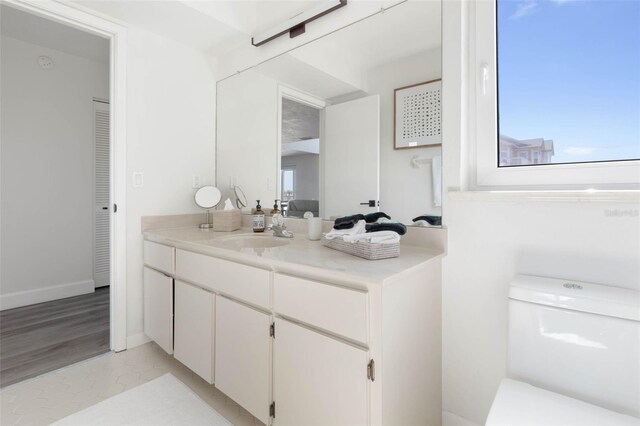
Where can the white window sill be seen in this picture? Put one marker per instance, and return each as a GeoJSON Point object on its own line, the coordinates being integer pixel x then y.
{"type": "Point", "coordinates": [622, 196]}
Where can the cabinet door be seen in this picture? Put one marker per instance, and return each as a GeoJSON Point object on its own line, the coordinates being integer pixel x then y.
{"type": "Point", "coordinates": [193, 339]}
{"type": "Point", "coordinates": [243, 356]}
{"type": "Point", "coordinates": [158, 308]}
{"type": "Point", "coordinates": [317, 380]}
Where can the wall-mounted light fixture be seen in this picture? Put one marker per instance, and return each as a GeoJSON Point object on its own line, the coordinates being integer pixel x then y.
{"type": "Point", "coordinates": [296, 25]}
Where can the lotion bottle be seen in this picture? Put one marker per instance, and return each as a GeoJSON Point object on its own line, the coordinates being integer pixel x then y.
{"type": "Point", "coordinates": [258, 219]}
{"type": "Point", "coordinates": [275, 209]}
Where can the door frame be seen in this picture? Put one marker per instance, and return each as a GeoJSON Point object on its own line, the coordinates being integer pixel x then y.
{"type": "Point", "coordinates": [286, 92]}
{"type": "Point", "coordinates": [116, 34]}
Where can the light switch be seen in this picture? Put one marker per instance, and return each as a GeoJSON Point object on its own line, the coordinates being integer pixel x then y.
{"type": "Point", "coordinates": [195, 181]}
{"type": "Point", "coordinates": [138, 180]}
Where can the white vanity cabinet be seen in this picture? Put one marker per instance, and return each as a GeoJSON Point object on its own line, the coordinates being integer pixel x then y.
{"type": "Point", "coordinates": [240, 329]}
{"type": "Point", "coordinates": [301, 346]}
{"type": "Point", "coordinates": [320, 362]}
{"type": "Point", "coordinates": [243, 356]}
{"type": "Point", "coordinates": [194, 329]}
{"type": "Point", "coordinates": [158, 308]}
{"type": "Point", "coordinates": [317, 379]}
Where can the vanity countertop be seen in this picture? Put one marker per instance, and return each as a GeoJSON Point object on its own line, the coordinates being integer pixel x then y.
{"type": "Point", "coordinates": [300, 256]}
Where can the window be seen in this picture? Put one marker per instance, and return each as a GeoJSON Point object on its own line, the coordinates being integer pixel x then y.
{"type": "Point", "coordinates": [288, 179]}
{"type": "Point", "coordinates": [557, 93]}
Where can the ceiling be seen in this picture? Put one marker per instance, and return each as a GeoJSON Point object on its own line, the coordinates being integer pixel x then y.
{"type": "Point", "coordinates": [214, 27]}
{"type": "Point", "coordinates": [299, 121]}
{"type": "Point", "coordinates": [44, 32]}
{"type": "Point", "coordinates": [306, 77]}
{"type": "Point", "coordinates": [332, 66]}
{"type": "Point", "coordinates": [402, 31]}
{"type": "Point", "coordinates": [171, 19]}
{"type": "Point", "coordinates": [218, 27]}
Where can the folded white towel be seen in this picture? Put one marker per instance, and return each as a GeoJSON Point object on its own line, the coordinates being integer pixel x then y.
{"type": "Point", "coordinates": [382, 237]}
{"type": "Point", "coordinates": [358, 228]}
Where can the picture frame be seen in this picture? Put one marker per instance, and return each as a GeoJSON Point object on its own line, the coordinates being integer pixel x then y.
{"type": "Point", "coordinates": [417, 111]}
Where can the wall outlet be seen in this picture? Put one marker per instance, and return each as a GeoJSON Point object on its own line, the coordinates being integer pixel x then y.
{"type": "Point", "coordinates": [138, 179]}
{"type": "Point", "coordinates": [195, 181]}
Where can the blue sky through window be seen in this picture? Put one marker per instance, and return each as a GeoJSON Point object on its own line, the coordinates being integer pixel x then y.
{"type": "Point", "coordinates": [569, 71]}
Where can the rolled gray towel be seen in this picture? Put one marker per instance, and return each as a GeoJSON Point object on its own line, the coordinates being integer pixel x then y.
{"type": "Point", "coordinates": [373, 217]}
{"type": "Point", "coordinates": [347, 222]}
{"type": "Point", "coordinates": [387, 226]}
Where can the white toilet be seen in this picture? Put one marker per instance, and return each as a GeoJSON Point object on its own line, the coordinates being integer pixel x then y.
{"type": "Point", "coordinates": [574, 355]}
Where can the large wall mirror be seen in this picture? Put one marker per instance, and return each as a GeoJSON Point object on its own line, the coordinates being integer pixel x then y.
{"type": "Point", "coordinates": [349, 123]}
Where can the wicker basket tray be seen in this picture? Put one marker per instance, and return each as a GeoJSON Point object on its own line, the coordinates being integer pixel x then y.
{"type": "Point", "coordinates": [363, 249]}
{"type": "Point", "coordinates": [227, 220]}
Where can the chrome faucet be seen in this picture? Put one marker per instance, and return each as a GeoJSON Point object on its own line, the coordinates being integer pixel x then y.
{"type": "Point", "coordinates": [279, 228]}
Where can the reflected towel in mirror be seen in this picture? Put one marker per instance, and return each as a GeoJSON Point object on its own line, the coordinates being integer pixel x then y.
{"type": "Point", "coordinates": [436, 179]}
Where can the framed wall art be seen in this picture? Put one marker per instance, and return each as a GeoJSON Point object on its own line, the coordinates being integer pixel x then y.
{"type": "Point", "coordinates": [418, 115]}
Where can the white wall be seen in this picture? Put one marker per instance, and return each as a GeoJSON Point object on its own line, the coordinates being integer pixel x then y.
{"type": "Point", "coordinates": [405, 191]}
{"type": "Point", "coordinates": [47, 172]}
{"type": "Point", "coordinates": [170, 137]}
{"type": "Point", "coordinates": [307, 175]}
{"type": "Point", "coordinates": [490, 241]}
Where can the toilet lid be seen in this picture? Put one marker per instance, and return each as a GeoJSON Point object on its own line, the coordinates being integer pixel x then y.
{"type": "Point", "coordinates": [518, 403]}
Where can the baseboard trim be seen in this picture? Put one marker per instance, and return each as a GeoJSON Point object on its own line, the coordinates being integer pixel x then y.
{"type": "Point", "coordinates": [137, 340]}
{"type": "Point", "coordinates": [450, 419]}
{"type": "Point", "coordinates": [47, 294]}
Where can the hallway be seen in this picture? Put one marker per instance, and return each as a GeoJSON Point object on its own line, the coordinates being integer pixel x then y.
{"type": "Point", "coordinates": [44, 337]}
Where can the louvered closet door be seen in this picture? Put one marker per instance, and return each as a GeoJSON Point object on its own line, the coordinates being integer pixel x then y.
{"type": "Point", "coordinates": [101, 257]}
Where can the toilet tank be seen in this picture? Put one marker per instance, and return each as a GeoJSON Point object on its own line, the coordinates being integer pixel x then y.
{"type": "Point", "coordinates": [577, 339]}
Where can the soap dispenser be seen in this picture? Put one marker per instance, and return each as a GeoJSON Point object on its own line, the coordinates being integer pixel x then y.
{"type": "Point", "coordinates": [275, 209]}
{"type": "Point", "coordinates": [258, 219]}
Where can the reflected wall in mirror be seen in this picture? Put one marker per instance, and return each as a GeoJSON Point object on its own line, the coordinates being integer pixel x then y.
{"type": "Point", "coordinates": [315, 127]}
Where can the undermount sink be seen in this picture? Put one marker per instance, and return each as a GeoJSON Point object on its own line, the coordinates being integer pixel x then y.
{"type": "Point", "coordinates": [238, 242]}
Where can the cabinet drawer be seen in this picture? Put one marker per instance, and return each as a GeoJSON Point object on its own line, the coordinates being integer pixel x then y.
{"type": "Point", "coordinates": [336, 309]}
{"type": "Point", "coordinates": [233, 279]}
{"type": "Point", "coordinates": [159, 256]}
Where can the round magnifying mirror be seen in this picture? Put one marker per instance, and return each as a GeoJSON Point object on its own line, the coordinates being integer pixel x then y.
{"type": "Point", "coordinates": [207, 197]}
{"type": "Point", "coordinates": [241, 199]}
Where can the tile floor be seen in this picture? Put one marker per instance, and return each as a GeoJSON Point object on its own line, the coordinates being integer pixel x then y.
{"type": "Point", "coordinates": [52, 396]}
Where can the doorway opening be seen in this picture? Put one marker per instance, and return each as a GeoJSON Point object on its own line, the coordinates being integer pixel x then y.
{"type": "Point", "coordinates": [57, 183]}
{"type": "Point", "coordinates": [300, 145]}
